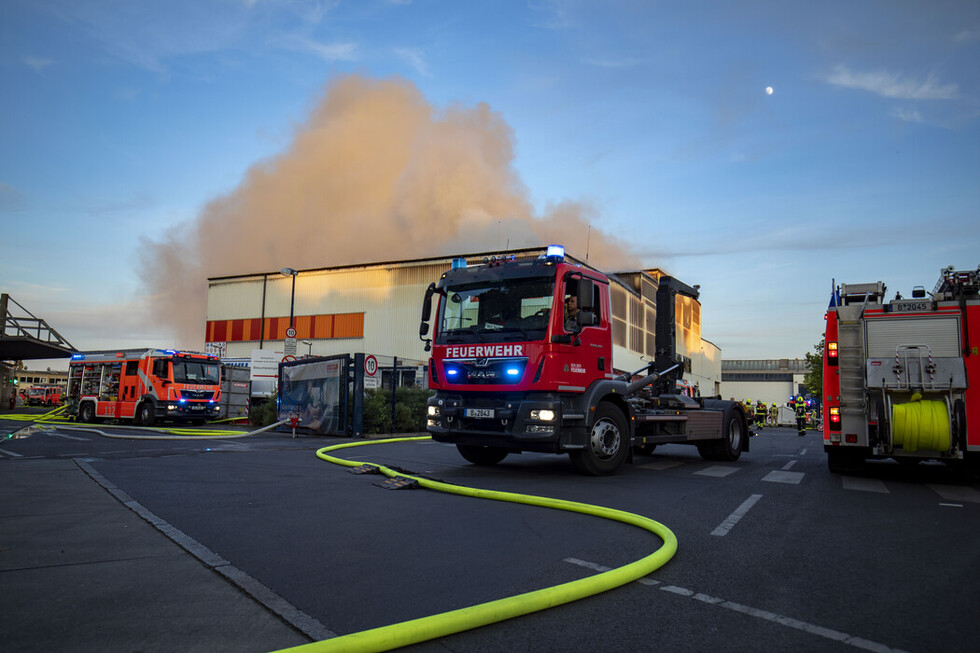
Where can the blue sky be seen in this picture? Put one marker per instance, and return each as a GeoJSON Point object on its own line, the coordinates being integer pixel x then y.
{"type": "Point", "coordinates": [122, 123]}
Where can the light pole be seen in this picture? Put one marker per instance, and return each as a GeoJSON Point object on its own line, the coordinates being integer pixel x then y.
{"type": "Point", "coordinates": [290, 272]}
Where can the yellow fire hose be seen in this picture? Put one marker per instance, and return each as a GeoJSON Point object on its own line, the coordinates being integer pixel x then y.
{"type": "Point", "coordinates": [455, 621]}
{"type": "Point", "coordinates": [53, 417]}
{"type": "Point", "coordinates": [921, 424]}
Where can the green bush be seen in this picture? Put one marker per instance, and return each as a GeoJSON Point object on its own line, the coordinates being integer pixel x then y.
{"type": "Point", "coordinates": [263, 414]}
{"type": "Point", "coordinates": [409, 410]}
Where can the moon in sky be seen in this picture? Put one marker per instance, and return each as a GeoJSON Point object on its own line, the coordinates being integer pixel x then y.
{"type": "Point", "coordinates": [769, 90]}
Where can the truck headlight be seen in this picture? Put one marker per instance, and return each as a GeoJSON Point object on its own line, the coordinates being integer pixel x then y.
{"type": "Point", "coordinates": [544, 415]}
{"type": "Point", "coordinates": [434, 411]}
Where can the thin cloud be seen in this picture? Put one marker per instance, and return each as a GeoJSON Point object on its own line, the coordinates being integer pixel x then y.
{"type": "Point", "coordinates": [628, 62]}
{"type": "Point", "coordinates": [326, 51]}
{"type": "Point", "coordinates": [907, 115]}
{"type": "Point", "coordinates": [37, 63]}
{"type": "Point", "coordinates": [893, 85]}
{"type": "Point", "coordinates": [967, 35]}
{"type": "Point", "coordinates": [415, 58]}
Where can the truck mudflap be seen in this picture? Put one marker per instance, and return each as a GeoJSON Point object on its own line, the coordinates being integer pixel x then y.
{"type": "Point", "coordinates": [536, 423]}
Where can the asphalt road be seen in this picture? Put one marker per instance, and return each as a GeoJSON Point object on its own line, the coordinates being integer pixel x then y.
{"type": "Point", "coordinates": [774, 551]}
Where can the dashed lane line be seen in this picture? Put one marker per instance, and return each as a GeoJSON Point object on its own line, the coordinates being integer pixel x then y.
{"type": "Point", "coordinates": [12, 454]}
{"type": "Point", "coordinates": [864, 484]}
{"type": "Point", "coordinates": [732, 519]}
{"type": "Point", "coordinates": [956, 493]}
{"type": "Point", "coordinates": [717, 471]}
{"type": "Point", "coordinates": [782, 620]}
{"type": "Point", "coordinates": [778, 476]}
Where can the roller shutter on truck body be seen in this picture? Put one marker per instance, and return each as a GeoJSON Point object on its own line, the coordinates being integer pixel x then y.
{"type": "Point", "coordinates": [941, 333]}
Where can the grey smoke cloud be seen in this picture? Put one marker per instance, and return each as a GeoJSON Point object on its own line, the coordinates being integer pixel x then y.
{"type": "Point", "coordinates": [375, 173]}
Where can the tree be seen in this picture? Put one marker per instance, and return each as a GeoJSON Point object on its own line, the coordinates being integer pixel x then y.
{"type": "Point", "coordinates": [813, 378]}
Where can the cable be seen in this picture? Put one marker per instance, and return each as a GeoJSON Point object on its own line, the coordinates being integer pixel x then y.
{"type": "Point", "coordinates": [455, 621]}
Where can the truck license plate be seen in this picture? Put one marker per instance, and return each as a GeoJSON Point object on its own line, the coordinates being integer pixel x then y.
{"type": "Point", "coordinates": [479, 412]}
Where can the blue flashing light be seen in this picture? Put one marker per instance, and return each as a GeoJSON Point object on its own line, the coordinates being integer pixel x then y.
{"type": "Point", "coordinates": [556, 251]}
{"type": "Point", "coordinates": [78, 357]}
{"type": "Point", "coordinates": [459, 263]}
{"type": "Point", "coordinates": [452, 371]}
{"type": "Point", "coordinates": [182, 401]}
{"type": "Point", "coordinates": [513, 371]}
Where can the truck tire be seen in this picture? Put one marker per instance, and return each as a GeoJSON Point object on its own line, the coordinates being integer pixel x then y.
{"type": "Point", "coordinates": [146, 414]}
{"type": "Point", "coordinates": [609, 442]}
{"type": "Point", "coordinates": [481, 455]}
{"type": "Point", "coordinates": [733, 429]}
{"type": "Point", "coordinates": [86, 413]}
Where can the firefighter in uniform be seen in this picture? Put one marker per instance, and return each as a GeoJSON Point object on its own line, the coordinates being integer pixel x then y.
{"type": "Point", "coordinates": [749, 413]}
{"type": "Point", "coordinates": [773, 414]}
{"type": "Point", "coordinates": [800, 415]}
{"type": "Point", "coordinates": [760, 414]}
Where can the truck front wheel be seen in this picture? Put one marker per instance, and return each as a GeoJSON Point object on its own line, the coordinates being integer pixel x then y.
{"type": "Point", "coordinates": [147, 414]}
{"type": "Point", "coordinates": [608, 444]}
{"type": "Point", "coordinates": [480, 455]}
{"type": "Point", "coordinates": [86, 413]}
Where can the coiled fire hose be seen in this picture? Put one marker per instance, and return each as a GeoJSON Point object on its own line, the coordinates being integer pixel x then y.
{"type": "Point", "coordinates": [455, 621]}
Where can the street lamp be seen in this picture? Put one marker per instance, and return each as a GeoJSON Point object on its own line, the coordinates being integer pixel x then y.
{"type": "Point", "coordinates": [309, 343]}
{"type": "Point", "coordinates": [289, 272]}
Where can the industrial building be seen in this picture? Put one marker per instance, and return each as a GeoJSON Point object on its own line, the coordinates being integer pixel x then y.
{"type": "Point", "coordinates": [375, 308]}
{"type": "Point", "coordinates": [773, 381]}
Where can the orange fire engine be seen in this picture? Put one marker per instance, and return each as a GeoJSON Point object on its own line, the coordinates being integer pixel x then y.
{"type": "Point", "coordinates": [43, 395]}
{"type": "Point", "coordinates": [897, 373]}
{"type": "Point", "coordinates": [144, 385]}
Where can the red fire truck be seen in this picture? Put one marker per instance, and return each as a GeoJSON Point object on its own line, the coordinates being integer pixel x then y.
{"type": "Point", "coordinates": [897, 373]}
{"type": "Point", "coordinates": [144, 385]}
{"type": "Point", "coordinates": [43, 395]}
{"type": "Point", "coordinates": [516, 366]}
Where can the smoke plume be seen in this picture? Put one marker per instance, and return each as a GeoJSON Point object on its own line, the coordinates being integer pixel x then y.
{"type": "Point", "coordinates": [375, 173]}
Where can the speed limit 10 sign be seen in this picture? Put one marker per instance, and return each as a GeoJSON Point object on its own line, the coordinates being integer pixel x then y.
{"type": "Point", "coordinates": [370, 365]}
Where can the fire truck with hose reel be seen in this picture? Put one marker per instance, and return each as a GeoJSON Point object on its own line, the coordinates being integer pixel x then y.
{"type": "Point", "coordinates": [517, 367]}
{"type": "Point", "coordinates": [144, 385]}
{"type": "Point", "coordinates": [897, 373]}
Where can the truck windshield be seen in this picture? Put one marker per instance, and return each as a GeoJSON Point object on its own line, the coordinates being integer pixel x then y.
{"type": "Point", "coordinates": [504, 310]}
{"type": "Point", "coordinates": [196, 372]}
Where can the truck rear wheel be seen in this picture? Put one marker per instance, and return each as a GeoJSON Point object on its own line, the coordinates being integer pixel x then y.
{"type": "Point", "coordinates": [729, 446]}
{"type": "Point", "coordinates": [481, 455]}
{"type": "Point", "coordinates": [608, 444]}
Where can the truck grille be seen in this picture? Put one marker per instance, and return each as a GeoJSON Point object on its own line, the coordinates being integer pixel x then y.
{"type": "Point", "coordinates": [197, 394]}
{"type": "Point", "coordinates": [485, 371]}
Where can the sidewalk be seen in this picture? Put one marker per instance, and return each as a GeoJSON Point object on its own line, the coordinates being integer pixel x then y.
{"type": "Point", "coordinates": [80, 571]}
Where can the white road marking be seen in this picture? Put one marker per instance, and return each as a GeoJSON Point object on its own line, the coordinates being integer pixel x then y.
{"type": "Point", "coordinates": [793, 478]}
{"type": "Point", "coordinates": [782, 620]}
{"type": "Point", "coordinates": [789, 465]}
{"type": "Point", "coordinates": [803, 452]}
{"type": "Point", "coordinates": [952, 505]}
{"type": "Point", "coordinates": [734, 518]}
{"type": "Point", "coordinates": [11, 453]}
{"type": "Point", "coordinates": [594, 566]}
{"type": "Point", "coordinates": [956, 493]}
{"type": "Point", "coordinates": [717, 471]}
{"type": "Point", "coordinates": [864, 484]}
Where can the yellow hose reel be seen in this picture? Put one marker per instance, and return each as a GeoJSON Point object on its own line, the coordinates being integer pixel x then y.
{"type": "Point", "coordinates": [921, 424]}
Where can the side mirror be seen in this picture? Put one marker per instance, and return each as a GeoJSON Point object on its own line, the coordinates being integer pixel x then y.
{"type": "Point", "coordinates": [585, 295]}
{"type": "Point", "coordinates": [426, 312]}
